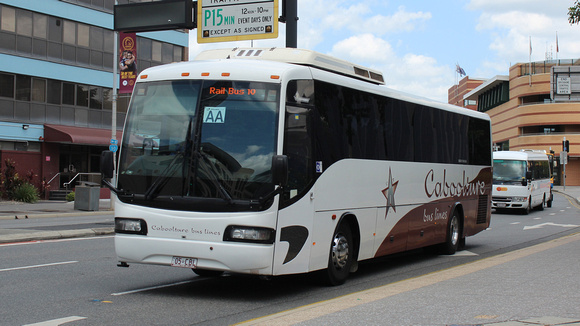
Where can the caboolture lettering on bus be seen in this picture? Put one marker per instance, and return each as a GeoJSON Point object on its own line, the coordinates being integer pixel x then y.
{"type": "Point", "coordinates": [439, 186]}
{"type": "Point", "coordinates": [173, 229]}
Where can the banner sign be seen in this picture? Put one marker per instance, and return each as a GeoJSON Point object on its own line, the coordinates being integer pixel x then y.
{"type": "Point", "coordinates": [127, 62]}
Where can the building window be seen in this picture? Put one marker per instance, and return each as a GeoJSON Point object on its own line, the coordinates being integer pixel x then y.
{"type": "Point", "coordinates": [69, 32]}
{"type": "Point", "coordinates": [6, 85]}
{"type": "Point", "coordinates": [68, 94]}
{"type": "Point", "coordinates": [24, 22]}
{"type": "Point", "coordinates": [40, 26]}
{"type": "Point", "coordinates": [22, 88]}
{"type": "Point", "coordinates": [38, 90]}
{"type": "Point", "coordinates": [96, 98]}
{"type": "Point", "coordinates": [53, 91]}
{"type": "Point", "coordinates": [8, 19]}
{"type": "Point", "coordinates": [82, 96]}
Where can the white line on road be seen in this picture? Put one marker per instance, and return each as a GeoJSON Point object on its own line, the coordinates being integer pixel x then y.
{"type": "Point", "coordinates": [150, 288]}
{"type": "Point", "coordinates": [160, 286]}
{"type": "Point", "coordinates": [36, 266]}
{"type": "Point", "coordinates": [56, 322]}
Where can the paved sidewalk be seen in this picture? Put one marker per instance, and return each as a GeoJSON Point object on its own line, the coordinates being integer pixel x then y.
{"type": "Point", "coordinates": [10, 210]}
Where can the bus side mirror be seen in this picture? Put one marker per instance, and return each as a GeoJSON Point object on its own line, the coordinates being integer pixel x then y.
{"type": "Point", "coordinates": [107, 164]}
{"type": "Point", "coordinates": [524, 182]}
{"type": "Point", "coordinates": [280, 170]}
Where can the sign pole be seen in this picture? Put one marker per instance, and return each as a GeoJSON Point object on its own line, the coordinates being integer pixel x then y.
{"type": "Point", "coordinates": [565, 161]}
{"type": "Point", "coordinates": [291, 12]}
{"type": "Point", "coordinates": [114, 108]}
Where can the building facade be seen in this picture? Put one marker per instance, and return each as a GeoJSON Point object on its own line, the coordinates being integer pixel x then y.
{"type": "Point", "coordinates": [56, 85]}
{"type": "Point", "coordinates": [456, 93]}
{"type": "Point", "coordinates": [536, 106]}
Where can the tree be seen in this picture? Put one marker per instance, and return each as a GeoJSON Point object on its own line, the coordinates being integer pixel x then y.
{"type": "Point", "coordinates": [574, 13]}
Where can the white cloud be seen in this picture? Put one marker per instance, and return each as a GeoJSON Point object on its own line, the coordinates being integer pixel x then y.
{"type": "Point", "coordinates": [410, 73]}
{"type": "Point", "coordinates": [511, 23]}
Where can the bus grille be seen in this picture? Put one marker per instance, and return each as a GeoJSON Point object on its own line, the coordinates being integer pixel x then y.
{"type": "Point", "coordinates": [482, 209]}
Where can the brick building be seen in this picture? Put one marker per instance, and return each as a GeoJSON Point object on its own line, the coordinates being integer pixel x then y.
{"type": "Point", "coordinates": [536, 106]}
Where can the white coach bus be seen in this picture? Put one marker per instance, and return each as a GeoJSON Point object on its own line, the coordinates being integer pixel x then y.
{"type": "Point", "coordinates": [521, 180]}
{"type": "Point", "coordinates": [285, 161]}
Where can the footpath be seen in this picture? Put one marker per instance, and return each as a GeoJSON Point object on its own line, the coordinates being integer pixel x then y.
{"type": "Point", "coordinates": [537, 285]}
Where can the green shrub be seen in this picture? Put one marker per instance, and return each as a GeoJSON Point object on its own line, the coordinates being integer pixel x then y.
{"type": "Point", "coordinates": [26, 193]}
{"type": "Point", "coordinates": [70, 196]}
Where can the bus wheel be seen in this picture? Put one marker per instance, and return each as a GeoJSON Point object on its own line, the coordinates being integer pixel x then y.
{"type": "Point", "coordinates": [207, 272]}
{"type": "Point", "coordinates": [541, 207]}
{"type": "Point", "coordinates": [549, 202]}
{"type": "Point", "coordinates": [341, 256]}
{"type": "Point", "coordinates": [450, 246]}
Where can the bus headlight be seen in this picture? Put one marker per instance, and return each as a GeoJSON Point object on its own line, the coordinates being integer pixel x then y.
{"type": "Point", "coordinates": [249, 234]}
{"type": "Point", "coordinates": [520, 199]}
{"type": "Point", "coordinates": [130, 226]}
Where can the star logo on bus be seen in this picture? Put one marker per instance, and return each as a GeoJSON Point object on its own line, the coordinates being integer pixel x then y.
{"type": "Point", "coordinates": [389, 193]}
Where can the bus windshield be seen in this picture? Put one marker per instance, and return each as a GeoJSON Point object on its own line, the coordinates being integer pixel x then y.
{"type": "Point", "coordinates": [508, 171]}
{"type": "Point", "coordinates": [199, 139]}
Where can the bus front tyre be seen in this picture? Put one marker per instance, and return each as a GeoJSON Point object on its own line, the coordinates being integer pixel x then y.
{"type": "Point", "coordinates": [340, 258]}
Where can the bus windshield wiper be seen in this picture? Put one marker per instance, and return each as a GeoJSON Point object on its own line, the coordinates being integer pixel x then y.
{"type": "Point", "coordinates": [160, 182]}
{"type": "Point", "coordinates": [214, 177]}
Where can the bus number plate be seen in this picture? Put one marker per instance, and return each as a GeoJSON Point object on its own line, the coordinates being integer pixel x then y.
{"type": "Point", "coordinates": [501, 205]}
{"type": "Point", "coordinates": [184, 262]}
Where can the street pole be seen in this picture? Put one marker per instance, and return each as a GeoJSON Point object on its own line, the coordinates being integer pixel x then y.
{"type": "Point", "coordinates": [291, 16]}
{"type": "Point", "coordinates": [114, 108]}
{"type": "Point", "coordinates": [565, 161]}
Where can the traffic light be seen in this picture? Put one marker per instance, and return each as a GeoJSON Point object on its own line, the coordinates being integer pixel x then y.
{"type": "Point", "coordinates": [566, 145]}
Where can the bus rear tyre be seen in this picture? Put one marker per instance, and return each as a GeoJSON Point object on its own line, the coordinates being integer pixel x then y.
{"type": "Point", "coordinates": [340, 258]}
{"type": "Point", "coordinates": [451, 244]}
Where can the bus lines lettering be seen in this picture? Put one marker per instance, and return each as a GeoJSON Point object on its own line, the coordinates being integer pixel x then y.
{"type": "Point", "coordinates": [174, 229]}
{"type": "Point", "coordinates": [439, 186]}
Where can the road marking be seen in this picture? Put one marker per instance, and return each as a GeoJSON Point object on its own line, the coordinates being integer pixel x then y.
{"type": "Point", "coordinates": [464, 253]}
{"type": "Point", "coordinates": [515, 223]}
{"type": "Point", "coordinates": [539, 226]}
{"type": "Point", "coordinates": [36, 266]}
{"type": "Point", "coordinates": [151, 288]}
{"type": "Point", "coordinates": [56, 322]}
{"type": "Point", "coordinates": [327, 307]}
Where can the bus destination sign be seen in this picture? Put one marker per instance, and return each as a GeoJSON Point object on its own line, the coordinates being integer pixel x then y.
{"type": "Point", "coordinates": [236, 20]}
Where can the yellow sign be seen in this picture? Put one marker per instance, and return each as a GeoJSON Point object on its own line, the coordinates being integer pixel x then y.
{"type": "Point", "coordinates": [236, 20]}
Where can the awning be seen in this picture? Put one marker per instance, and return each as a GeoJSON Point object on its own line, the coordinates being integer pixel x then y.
{"type": "Point", "coordinates": [78, 135]}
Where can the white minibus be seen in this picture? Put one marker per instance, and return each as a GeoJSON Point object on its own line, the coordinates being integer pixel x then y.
{"type": "Point", "coordinates": [521, 180]}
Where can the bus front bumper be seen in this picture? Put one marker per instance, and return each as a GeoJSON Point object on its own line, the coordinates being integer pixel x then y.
{"type": "Point", "coordinates": [236, 257]}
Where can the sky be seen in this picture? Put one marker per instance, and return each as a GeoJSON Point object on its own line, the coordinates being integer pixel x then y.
{"type": "Point", "coordinates": [417, 44]}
